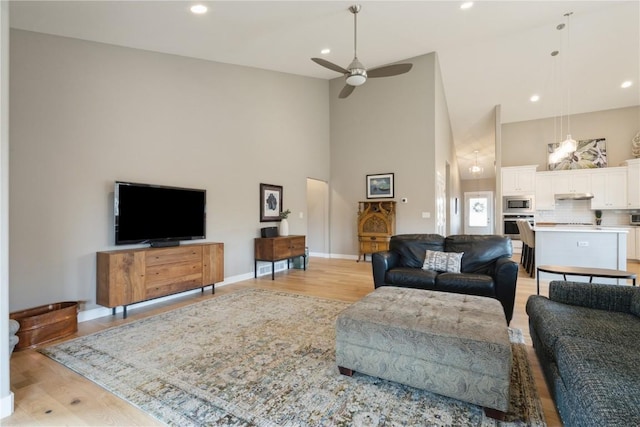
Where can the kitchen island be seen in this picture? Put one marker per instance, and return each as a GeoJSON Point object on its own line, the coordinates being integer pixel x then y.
{"type": "Point", "coordinates": [581, 246]}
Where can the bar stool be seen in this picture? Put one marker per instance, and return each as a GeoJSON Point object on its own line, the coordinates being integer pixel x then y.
{"type": "Point", "coordinates": [525, 248]}
{"type": "Point", "coordinates": [531, 243]}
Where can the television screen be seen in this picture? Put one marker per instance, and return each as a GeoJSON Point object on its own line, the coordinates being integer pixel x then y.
{"type": "Point", "coordinates": [147, 213]}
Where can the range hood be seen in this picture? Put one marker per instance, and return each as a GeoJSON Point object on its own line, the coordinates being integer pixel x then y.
{"type": "Point", "coordinates": [574, 196]}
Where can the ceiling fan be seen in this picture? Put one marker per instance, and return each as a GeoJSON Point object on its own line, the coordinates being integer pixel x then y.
{"type": "Point", "coordinates": [355, 73]}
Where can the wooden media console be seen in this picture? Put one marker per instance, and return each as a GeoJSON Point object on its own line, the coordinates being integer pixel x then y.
{"type": "Point", "coordinates": [130, 276]}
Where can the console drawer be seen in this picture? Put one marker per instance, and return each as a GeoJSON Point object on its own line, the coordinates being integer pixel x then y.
{"type": "Point", "coordinates": [168, 273]}
{"type": "Point", "coordinates": [173, 255]}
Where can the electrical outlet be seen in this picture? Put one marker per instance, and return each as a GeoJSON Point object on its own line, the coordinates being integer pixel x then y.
{"type": "Point", "coordinates": [426, 214]}
{"type": "Point", "coordinates": [583, 244]}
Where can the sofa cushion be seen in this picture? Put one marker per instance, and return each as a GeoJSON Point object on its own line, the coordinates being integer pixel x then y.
{"type": "Point", "coordinates": [480, 252]}
{"type": "Point", "coordinates": [635, 304]}
{"type": "Point", "coordinates": [466, 283]}
{"type": "Point", "coordinates": [411, 278]}
{"type": "Point", "coordinates": [442, 261]}
{"type": "Point", "coordinates": [553, 320]}
{"type": "Point", "coordinates": [602, 382]}
{"type": "Point", "coordinates": [412, 247]}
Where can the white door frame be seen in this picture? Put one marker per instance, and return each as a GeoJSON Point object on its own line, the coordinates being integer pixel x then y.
{"type": "Point", "coordinates": [490, 212]}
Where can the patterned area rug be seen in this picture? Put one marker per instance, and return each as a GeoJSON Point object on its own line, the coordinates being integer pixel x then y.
{"type": "Point", "coordinates": [265, 358]}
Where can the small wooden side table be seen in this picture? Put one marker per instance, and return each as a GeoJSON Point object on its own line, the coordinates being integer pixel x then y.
{"type": "Point", "coordinates": [584, 271]}
{"type": "Point", "coordinates": [277, 249]}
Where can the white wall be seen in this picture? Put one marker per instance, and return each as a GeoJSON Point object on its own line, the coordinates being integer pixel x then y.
{"type": "Point", "coordinates": [317, 217]}
{"type": "Point", "coordinates": [6, 397]}
{"type": "Point", "coordinates": [445, 152]}
{"type": "Point", "coordinates": [85, 114]}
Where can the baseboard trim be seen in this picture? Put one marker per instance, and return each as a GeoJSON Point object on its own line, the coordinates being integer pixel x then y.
{"type": "Point", "coordinates": [6, 405]}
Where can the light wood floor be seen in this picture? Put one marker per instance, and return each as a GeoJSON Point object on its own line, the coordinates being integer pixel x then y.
{"type": "Point", "coordinates": [48, 394]}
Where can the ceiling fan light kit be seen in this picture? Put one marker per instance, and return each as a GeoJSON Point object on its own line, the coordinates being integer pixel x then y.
{"type": "Point", "coordinates": [356, 74]}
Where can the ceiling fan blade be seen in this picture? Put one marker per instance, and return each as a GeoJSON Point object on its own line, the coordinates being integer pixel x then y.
{"type": "Point", "coordinates": [389, 70]}
{"type": "Point", "coordinates": [346, 91]}
{"type": "Point", "coordinates": [329, 65]}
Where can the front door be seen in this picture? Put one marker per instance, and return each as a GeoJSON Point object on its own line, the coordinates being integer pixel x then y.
{"type": "Point", "coordinates": [478, 218]}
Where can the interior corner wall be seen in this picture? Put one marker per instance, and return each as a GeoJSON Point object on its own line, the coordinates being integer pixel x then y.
{"type": "Point", "coordinates": [6, 396]}
{"type": "Point", "coordinates": [86, 114]}
{"type": "Point", "coordinates": [385, 126]}
{"type": "Point", "coordinates": [525, 143]}
{"type": "Point", "coordinates": [446, 154]}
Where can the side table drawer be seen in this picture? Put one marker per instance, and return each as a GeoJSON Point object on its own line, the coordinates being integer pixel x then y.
{"type": "Point", "coordinates": [370, 245]}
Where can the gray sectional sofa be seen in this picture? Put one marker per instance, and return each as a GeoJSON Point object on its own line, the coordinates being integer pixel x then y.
{"type": "Point", "coordinates": [587, 339]}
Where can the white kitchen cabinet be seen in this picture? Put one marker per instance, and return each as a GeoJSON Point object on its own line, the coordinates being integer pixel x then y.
{"type": "Point", "coordinates": [518, 180]}
{"type": "Point", "coordinates": [545, 198]}
{"type": "Point", "coordinates": [609, 188]}
{"type": "Point", "coordinates": [632, 243]}
{"type": "Point", "coordinates": [633, 183]}
{"type": "Point", "coordinates": [572, 181]}
{"type": "Point", "coordinates": [550, 183]}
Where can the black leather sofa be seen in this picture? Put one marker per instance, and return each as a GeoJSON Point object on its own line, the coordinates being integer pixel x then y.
{"type": "Point", "coordinates": [486, 267]}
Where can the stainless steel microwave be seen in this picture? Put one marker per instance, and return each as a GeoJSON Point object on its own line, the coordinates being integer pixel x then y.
{"type": "Point", "coordinates": [518, 204]}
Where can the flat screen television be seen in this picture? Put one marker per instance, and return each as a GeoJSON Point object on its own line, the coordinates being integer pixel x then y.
{"type": "Point", "coordinates": [157, 214]}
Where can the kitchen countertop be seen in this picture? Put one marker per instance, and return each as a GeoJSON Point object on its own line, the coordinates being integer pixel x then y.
{"type": "Point", "coordinates": [573, 228]}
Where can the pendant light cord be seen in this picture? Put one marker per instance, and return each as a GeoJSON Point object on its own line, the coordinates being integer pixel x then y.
{"type": "Point", "coordinates": [568, 15]}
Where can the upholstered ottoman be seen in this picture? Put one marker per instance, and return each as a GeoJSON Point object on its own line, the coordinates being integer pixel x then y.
{"type": "Point", "coordinates": [451, 344]}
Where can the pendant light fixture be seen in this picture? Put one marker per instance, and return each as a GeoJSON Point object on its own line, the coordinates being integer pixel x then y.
{"type": "Point", "coordinates": [568, 145]}
{"type": "Point", "coordinates": [475, 169]}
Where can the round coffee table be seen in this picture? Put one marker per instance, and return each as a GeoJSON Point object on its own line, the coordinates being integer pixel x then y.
{"type": "Point", "coordinates": [584, 271]}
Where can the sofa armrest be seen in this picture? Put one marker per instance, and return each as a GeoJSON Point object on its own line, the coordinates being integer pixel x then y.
{"type": "Point", "coordinates": [505, 277]}
{"type": "Point", "coordinates": [592, 295]}
{"type": "Point", "coordinates": [381, 262]}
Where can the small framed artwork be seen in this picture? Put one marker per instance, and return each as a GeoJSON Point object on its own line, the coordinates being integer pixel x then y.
{"type": "Point", "coordinates": [380, 186]}
{"type": "Point", "coordinates": [270, 202]}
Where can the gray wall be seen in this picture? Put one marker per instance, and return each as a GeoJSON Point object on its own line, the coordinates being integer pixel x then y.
{"type": "Point", "coordinates": [6, 396]}
{"type": "Point", "coordinates": [525, 143]}
{"type": "Point", "coordinates": [85, 114]}
{"type": "Point", "coordinates": [396, 124]}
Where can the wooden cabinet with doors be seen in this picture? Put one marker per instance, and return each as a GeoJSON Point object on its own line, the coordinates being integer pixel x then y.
{"type": "Point", "coordinates": [129, 276]}
{"type": "Point", "coordinates": [277, 249]}
{"type": "Point", "coordinates": [376, 225]}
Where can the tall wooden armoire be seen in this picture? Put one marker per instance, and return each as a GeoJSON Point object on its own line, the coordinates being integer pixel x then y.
{"type": "Point", "coordinates": [376, 225]}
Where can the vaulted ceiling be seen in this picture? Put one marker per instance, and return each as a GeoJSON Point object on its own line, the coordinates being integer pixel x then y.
{"type": "Point", "coordinates": [495, 53]}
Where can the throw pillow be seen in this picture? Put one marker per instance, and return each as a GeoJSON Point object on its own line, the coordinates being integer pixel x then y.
{"type": "Point", "coordinates": [442, 261]}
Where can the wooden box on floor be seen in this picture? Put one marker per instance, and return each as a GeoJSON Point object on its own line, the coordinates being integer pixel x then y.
{"type": "Point", "coordinates": [45, 323]}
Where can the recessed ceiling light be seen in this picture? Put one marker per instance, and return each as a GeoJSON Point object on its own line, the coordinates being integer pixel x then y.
{"type": "Point", "coordinates": [325, 51]}
{"type": "Point", "coordinates": [466, 5]}
{"type": "Point", "coordinates": [199, 9]}
{"type": "Point", "coordinates": [626, 84]}
{"type": "Point", "coordinates": [534, 98]}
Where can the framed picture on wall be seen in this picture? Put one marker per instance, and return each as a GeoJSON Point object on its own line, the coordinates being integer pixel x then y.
{"type": "Point", "coordinates": [380, 186]}
{"type": "Point", "coordinates": [589, 154]}
{"type": "Point", "coordinates": [270, 202]}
